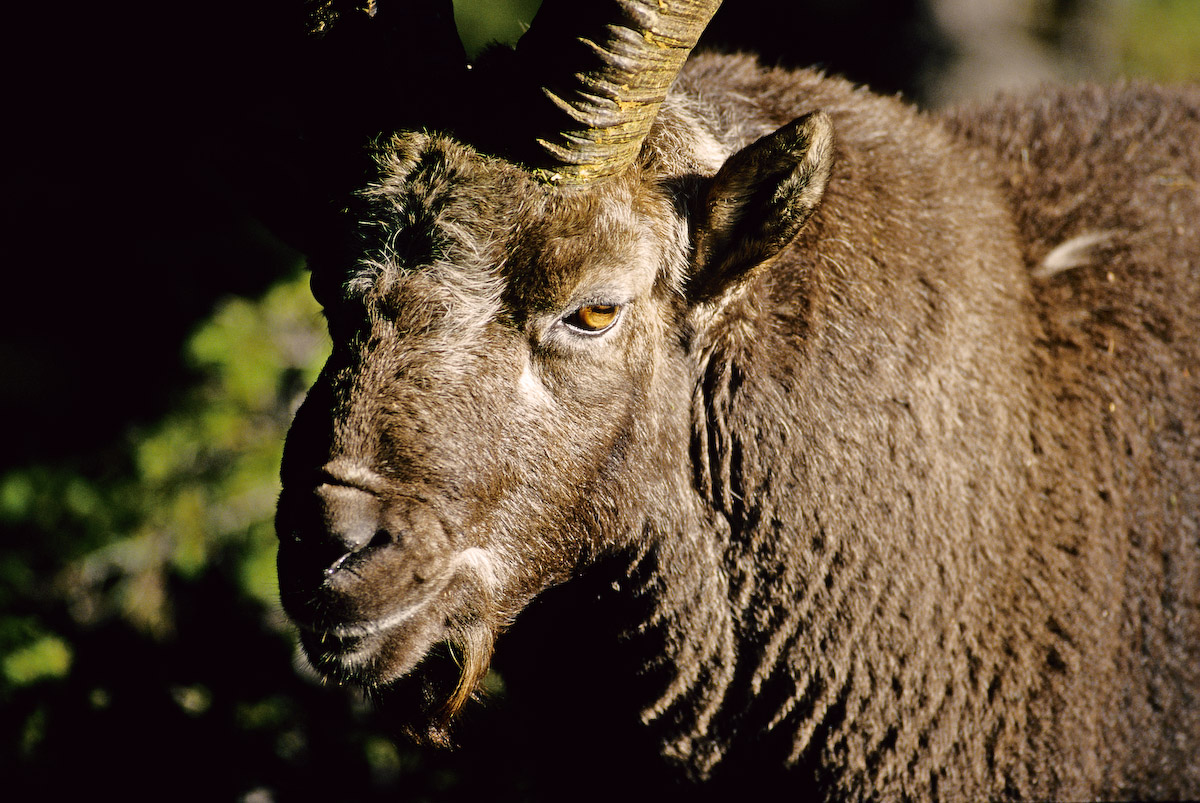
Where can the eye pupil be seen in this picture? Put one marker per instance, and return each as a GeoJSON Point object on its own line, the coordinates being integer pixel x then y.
{"type": "Point", "coordinates": [594, 317]}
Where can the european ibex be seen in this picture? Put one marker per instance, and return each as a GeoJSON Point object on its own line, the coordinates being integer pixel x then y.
{"type": "Point", "coordinates": [824, 444]}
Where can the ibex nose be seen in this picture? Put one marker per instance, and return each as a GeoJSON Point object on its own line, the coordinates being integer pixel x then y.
{"type": "Point", "coordinates": [350, 515]}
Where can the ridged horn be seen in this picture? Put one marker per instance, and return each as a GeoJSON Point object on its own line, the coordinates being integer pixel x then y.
{"type": "Point", "coordinates": [612, 62]}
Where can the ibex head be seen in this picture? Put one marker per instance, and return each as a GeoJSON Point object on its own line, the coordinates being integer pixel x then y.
{"type": "Point", "coordinates": [515, 346]}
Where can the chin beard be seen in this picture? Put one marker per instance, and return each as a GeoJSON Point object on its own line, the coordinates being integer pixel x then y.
{"type": "Point", "coordinates": [425, 697]}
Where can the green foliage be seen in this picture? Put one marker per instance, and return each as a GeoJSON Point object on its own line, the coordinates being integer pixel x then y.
{"type": "Point", "coordinates": [481, 22]}
{"type": "Point", "coordinates": [1161, 39]}
{"type": "Point", "coordinates": [203, 479]}
{"type": "Point", "coordinates": [143, 650]}
{"type": "Point", "coordinates": [45, 657]}
{"type": "Point", "coordinates": [110, 558]}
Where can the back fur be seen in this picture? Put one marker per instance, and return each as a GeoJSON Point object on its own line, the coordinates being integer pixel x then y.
{"type": "Point", "coordinates": [1117, 432]}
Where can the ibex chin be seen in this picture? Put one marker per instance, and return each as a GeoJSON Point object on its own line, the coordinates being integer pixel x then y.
{"type": "Point", "coordinates": [778, 436]}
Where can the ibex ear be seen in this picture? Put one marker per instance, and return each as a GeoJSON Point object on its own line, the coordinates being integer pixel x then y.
{"type": "Point", "coordinates": [757, 202]}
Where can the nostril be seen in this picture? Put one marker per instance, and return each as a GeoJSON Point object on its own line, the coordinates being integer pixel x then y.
{"type": "Point", "coordinates": [381, 538]}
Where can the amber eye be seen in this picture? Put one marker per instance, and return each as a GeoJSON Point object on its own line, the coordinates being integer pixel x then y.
{"type": "Point", "coordinates": [594, 318]}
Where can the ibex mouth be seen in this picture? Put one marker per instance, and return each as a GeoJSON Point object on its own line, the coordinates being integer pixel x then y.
{"type": "Point", "coordinates": [384, 646]}
{"type": "Point", "coordinates": [369, 654]}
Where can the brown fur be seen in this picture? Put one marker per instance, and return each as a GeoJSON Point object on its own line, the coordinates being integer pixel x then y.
{"type": "Point", "coordinates": [910, 508]}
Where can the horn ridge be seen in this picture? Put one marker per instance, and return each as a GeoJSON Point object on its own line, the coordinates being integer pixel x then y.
{"type": "Point", "coordinates": [618, 59]}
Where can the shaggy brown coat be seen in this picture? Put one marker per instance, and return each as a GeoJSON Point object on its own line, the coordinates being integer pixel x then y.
{"type": "Point", "coordinates": [906, 508]}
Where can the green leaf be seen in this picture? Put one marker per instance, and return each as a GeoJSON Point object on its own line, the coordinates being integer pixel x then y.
{"type": "Point", "coordinates": [48, 657]}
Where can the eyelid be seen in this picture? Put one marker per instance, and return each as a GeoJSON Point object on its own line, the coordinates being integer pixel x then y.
{"type": "Point", "coordinates": [601, 297]}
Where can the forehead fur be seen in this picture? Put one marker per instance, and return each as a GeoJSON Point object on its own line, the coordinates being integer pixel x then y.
{"type": "Point", "coordinates": [589, 244]}
{"type": "Point", "coordinates": [484, 233]}
{"type": "Point", "coordinates": [436, 220]}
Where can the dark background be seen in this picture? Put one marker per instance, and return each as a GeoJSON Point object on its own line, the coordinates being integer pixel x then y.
{"type": "Point", "coordinates": [156, 333]}
{"type": "Point", "coordinates": [133, 200]}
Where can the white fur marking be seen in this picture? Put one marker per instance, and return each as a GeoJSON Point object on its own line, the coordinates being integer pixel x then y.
{"type": "Point", "coordinates": [532, 388]}
{"type": "Point", "coordinates": [709, 152]}
{"type": "Point", "coordinates": [479, 562]}
{"type": "Point", "coordinates": [1077, 252]}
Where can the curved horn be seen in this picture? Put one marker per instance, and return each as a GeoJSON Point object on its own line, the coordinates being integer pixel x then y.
{"type": "Point", "coordinates": [620, 58]}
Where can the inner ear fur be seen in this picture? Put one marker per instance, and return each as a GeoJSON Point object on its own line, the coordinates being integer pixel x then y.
{"type": "Point", "coordinates": [757, 202]}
